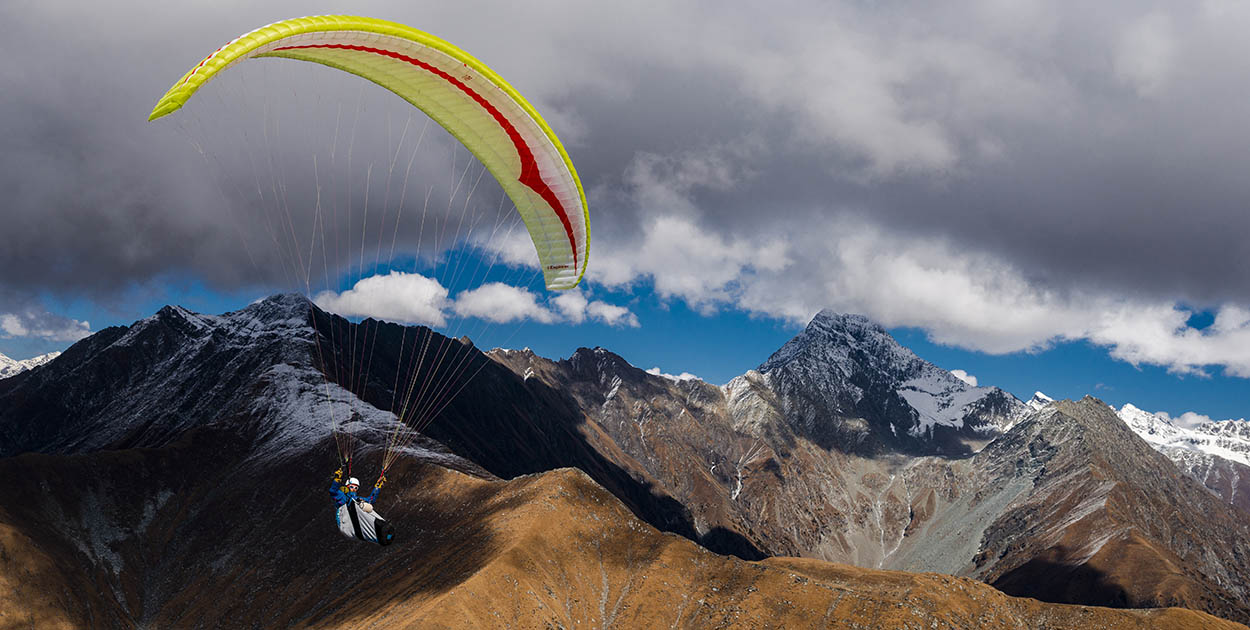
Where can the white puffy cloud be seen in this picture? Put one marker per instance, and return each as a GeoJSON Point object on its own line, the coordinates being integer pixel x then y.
{"type": "Point", "coordinates": [961, 296]}
{"type": "Point", "coordinates": [12, 326]}
{"type": "Point", "coordinates": [1158, 335]}
{"type": "Point", "coordinates": [501, 303]}
{"type": "Point", "coordinates": [416, 299]}
{"type": "Point", "coordinates": [965, 377]}
{"type": "Point", "coordinates": [575, 307]}
{"type": "Point", "coordinates": [684, 376]}
{"type": "Point", "coordinates": [37, 324]}
{"type": "Point", "coordinates": [1189, 419]}
{"type": "Point", "coordinates": [612, 314]}
{"type": "Point", "coordinates": [572, 305]}
{"type": "Point", "coordinates": [409, 298]}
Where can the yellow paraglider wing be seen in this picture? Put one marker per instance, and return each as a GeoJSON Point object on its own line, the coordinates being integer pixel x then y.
{"type": "Point", "coordinates": [461, 94]}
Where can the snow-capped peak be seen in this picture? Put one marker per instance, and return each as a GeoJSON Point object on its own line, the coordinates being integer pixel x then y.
{"type": "Point", "coordinates": [10, 367]}
{"type": "Point", "coordinates": [1039, 400]}
{"type": "Point", "coordinates": [839, 364]}
{"type": "Point", "coordinates": [1228, 439]}
{"type": "Point", "coordinates": [831, 338]}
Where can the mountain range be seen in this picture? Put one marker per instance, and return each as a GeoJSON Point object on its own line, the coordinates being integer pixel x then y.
{"type": "Point", "coordinates": [11, 367]}
{"type": "Point", "coordinates": [844, 479]}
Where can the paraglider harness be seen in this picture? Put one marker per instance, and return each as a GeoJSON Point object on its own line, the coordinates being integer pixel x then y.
{"type": "Point", "coordinates": [356, 517]}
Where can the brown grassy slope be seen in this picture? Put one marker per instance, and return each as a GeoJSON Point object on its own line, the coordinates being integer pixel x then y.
{"type": "Point", "coordinates": [547, 550]}
{"type": "Point", "coordinates": [565, 553]}
{"type": "Point", "coordinates": [31, 586]}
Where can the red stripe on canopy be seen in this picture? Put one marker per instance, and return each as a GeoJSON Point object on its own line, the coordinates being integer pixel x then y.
{"type": "Point", "coordinates": [529, 166]}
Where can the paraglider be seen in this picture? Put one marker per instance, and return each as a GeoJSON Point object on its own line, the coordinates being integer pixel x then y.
{"type": "Point", "coordinates": [356, 517]}
{"type": "Point", "coordinates": [458, 92]}
{"type": "Point", "coordinates": [479, 109]}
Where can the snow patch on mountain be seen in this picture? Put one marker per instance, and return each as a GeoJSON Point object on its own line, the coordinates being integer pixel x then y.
{"type": "Point", "coordinates": [10, 367]}
{"type": "Point", "coordinates": [940, 398]}
{"type": "Point", "coordinates": [305, 407]}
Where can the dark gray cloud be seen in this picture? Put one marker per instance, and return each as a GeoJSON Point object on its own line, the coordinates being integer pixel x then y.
{"type": "Point", "coordinates": [1068, 162]}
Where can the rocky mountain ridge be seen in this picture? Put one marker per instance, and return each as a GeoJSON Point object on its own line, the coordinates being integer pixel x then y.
{"type": "Point", "coordinates": [1045, 504]}
{"type": "Point", "coordinates": [148, 442]}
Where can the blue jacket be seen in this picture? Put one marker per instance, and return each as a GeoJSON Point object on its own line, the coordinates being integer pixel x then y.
{"type": "Point", "coordinates": [341, 498]}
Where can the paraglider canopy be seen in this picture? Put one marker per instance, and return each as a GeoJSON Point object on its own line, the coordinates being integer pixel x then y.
{"type": "Point", "coordinates": [458, 92]}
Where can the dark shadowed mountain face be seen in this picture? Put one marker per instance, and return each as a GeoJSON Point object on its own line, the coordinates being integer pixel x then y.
{"type": "Point", "coordinates": [146, 385]}
{"type": "Point", "coordinates": [189, 454]}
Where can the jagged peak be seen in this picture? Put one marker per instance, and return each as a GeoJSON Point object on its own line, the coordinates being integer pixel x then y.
{"type": "Point", "coordinates": [1090, 410]}
{"type": "Point", "coordinates": [831, 335]}
{"type": "Point", "coordinates": [1039, 401]}
{"type": "Point", "coordinates": [1135, 410]}
{"type": "Point", "coordinates": [603, 362]}
{"type": "Point", "coordinates": [595, 352]}
{"type": "Point", "coordinates": [595, 356]}
{"type": "Point", "coordinates": [849, 320]}
{"type": "Point", "coordinates": [277, 313]}
{"type": "Point", "coordinates": [281, 306]}
{"type": "Point", "coordinates": [508, 352]}
{"type": "Point", "coordinates": [1238, 427]}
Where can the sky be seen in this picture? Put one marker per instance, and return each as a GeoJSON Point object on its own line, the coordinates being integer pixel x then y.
{"type": "Point", "coordinates": [1047, 196]}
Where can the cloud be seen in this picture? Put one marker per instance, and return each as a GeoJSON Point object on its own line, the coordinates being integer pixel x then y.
{"type": "Point", "coordinates": [400, 297]}
{"type": "Point", "coordinates": [965, 377]}
{"type": "Point", "coordinates": [684, 376]}
{"type": "Point", "coordinates": [1004, 175]}
{"type": "Point", "coordinates": [501, 303]}
{"type": "Point", "coordinates": [1188, 419]}
{"type": "Point", "coordinates": [416, 299]}
{"type": "Point", "coordinates": [574, 307]}
{"type": "Point", "coordinates": [39, 324]}
{"type": "Point", "coordinates": [961, 297]}
{"type": "Point", "coordinates": [612, 314]}
{"type": "Point", "coordinates": [1145, 54]}
{"type": "Point", "coordinates": [1158, 335]}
